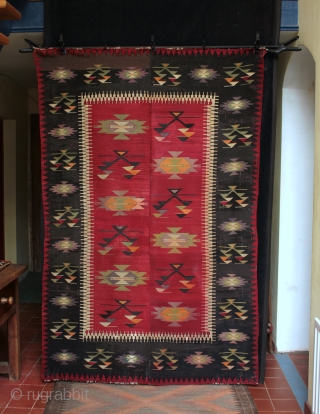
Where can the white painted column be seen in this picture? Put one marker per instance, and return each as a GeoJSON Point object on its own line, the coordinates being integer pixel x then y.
{"type": "Point", "coordinates": [296, 205]}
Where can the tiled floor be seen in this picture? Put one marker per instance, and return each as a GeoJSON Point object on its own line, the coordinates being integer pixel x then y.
{"type": "Point", "coordinates": [29, 394]}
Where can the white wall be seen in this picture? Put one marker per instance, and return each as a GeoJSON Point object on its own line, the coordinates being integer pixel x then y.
{"type": "Point", "coordinates": [292, 325]}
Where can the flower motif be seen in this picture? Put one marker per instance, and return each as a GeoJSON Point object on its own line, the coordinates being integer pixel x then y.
{"type": "Point", "coordinates": [203, 74]}
{"type": "Point", "coordinates": [234, 167]}
{"type": "Point", "coordinates": [131, 359]}
{"type": "Point", "coordinates": [62, 131]}
{"type": "Point", "coordinates": [64, 189]}
{"type": "Point", "coordinates": [66, 245]}
{"type": "Point", "coordinates": [233, 226]}
{"type": "Point", "coordinates": [199, 360]}
{"type": "Point", "coordinates": [232, 281]}
{"type": "Point", "coordinates": [131, 74]}
{"type": "Point", "coordinates": [61, 74]}
{"type": "Point", "coordinates": [63, 301]}
{"type": "Point", "coordinates": [236, 105]}
{"type": "Point", "coordinates": [233, 336]}
{"type": "Point", "coordinates": [64, 357]}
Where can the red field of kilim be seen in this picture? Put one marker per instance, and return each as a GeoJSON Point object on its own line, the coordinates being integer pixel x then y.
{"type": "Point", "coordinates": [150, 166]}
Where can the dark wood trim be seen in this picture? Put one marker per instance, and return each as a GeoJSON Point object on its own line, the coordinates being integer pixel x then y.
{"type": "Point", "coordinates": [307, 408]}
{"type": "Point", "coordinates": [2, 243]}
{"type": "Point", "coordinates": [35, 196]}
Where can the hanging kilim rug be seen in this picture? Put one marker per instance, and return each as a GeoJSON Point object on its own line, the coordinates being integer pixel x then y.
{"type": "Point", "coordinates": [150, 167]}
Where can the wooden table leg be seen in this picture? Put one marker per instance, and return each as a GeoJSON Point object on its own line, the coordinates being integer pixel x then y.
{"type": "Point", "coordinates": [14, 340]}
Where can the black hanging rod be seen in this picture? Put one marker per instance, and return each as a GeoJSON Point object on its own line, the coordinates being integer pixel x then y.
{"type": "Point", "coordinates": [272, 49]}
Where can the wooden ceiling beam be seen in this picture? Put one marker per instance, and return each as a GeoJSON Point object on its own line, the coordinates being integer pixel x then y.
{"type": "Point", "coordinates": [4, 40]}
{"type": "Point", "coordinates": [8, 12]}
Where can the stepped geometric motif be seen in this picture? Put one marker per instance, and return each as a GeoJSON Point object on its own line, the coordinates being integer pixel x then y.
{"type": "Point", "coordinates": [63, 159]}
{"type": "Point", "coordinates": [122, 278]}
{"type": "Point", "coordinates": [237, 135]}
{"type": "Point", "coordinates": [97, 73]}
{"type": "Point", "coordinates": [175, 314]}
{"type": "Point", "coordinates": [64, 328]}
{"type": "Point", "coordinates": [174, 195]}
{"type": "Point", "coordinates": [239, 69]}
{"type": "Point", "coordinates": [121, 127]}
{"type": "Point", "coordinates": [166, 74]}
{"type": "Point", "coordinates": [175, 272]}
{"type": "Point", "coordinates": [232, 306]}
{"type": "Point", "coordinates": [234, 197]}
{"type": "Point", "coordinates": [164, 359]}
{"type": "Point", "coordinates": [234, 359]}
{"type": "Point", "coordinates": [175, 165]}
{"type": "Point", "coordinates": [64, 103]}
{"type": "Point", "coordinates": [233, 254]}
{"type": "Point", "coordinates": [121, 157]}
{"type": "Point", "coordinates": [121, 204]}
{"type": "Point", "coordinates": [120, 232]}
{"type": "Point", "coordinates": [175, 117]}
{"type": "Point", "coordinates": [126, 310]}
{"type": "Point", "coordinates": [99, 359]}
{"type": "Point", "coordinates": [65, 273]}
{"type": "Point", "coordinates": [68, 213]}
{"type": "Point", "coordinates": [174, 240]}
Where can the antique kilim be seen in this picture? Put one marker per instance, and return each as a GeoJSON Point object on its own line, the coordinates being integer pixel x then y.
{"type": "Point", "coordinates": [77, 398]}
{"type": "Point", "coordinates": [150, 167]}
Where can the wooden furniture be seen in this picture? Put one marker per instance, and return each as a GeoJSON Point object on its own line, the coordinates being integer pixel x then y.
{"type": "Point", "coordinates": [7, 12]}
{"type": "Point", "coordinates": [9, 312]}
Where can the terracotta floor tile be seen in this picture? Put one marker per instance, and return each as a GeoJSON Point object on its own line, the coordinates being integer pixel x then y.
{"type": "Point", "coordinates": [272, 363]}
{"type": "Point", "coordinates": [16, 410]}
{"type": "Point", "coordinates": [34, 345]}
{"type": "Point", "coordinates": [6, 389]}
{"type": "Point", "coordinates": [274, 373]}
{"type": "Point", "coordinates": [22, 402]}
{"type": "Point", "coordinates": [26, 369]}
{"type": "Point", "coordinates": [276, 383]}
{"type": "Point", "coordinates": [278, 394]}
{"type": "Point", "coordinates": [4, 399]}
{"type": "Point", "coordinates": [36, 370]}
{"type": "Point", "coordinates": [33, 379]}
{"type": "Point", "coordinates": [264, 405]}
{"type": "Point", "coordinates": [287, 405]}
{"type": "Point", "coordinates": [259, 393]}
{"type": "Point", "coordinates": [48, 386]}
{"type": "Point", "coordinates": [288, 412]}
{"type": "Point", "coordinates": [28, 389]}
{"type": "Point", "coordinates": [33, 353]}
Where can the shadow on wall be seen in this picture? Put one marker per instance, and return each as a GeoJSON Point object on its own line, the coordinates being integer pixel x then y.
{"type": "Point", "coordinates": [30, 288]}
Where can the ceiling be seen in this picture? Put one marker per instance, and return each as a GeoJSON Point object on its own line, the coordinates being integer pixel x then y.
{"type": "Point", "coordinates": [19, 66]}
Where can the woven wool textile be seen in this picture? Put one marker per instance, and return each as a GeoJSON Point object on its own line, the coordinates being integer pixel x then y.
{"type": "Point", "coordinates": [150, 167]}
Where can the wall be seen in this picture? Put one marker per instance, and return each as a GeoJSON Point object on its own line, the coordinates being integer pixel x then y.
{"type": "Point", "coordinates": [291, 279]}
{"type": "Point", "coordinates": [309, 12]}
{"type": "Point", "coordinates": [14, 110]}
